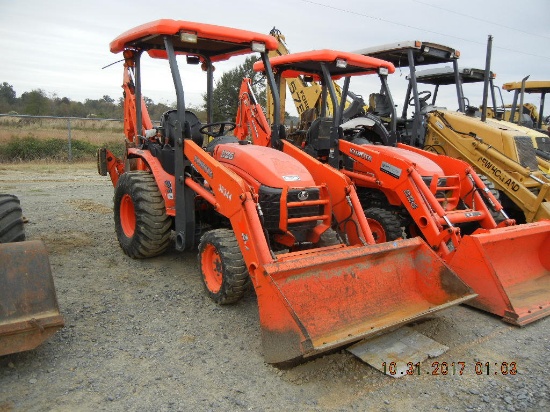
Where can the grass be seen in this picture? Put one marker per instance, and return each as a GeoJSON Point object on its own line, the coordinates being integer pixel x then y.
{"type": "Point", "coordinates": [31, 139]}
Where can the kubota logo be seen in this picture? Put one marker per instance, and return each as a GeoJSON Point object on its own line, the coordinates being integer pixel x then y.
{"type": "Point", "coordinates": [360, 154]}
{"type": "Point", "coordinates": [303, 195]}
{"type": "Point", "coordinates": [203, 166]}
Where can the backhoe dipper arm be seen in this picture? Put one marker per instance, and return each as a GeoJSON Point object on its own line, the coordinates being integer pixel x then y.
{"type": "Point", "coordinates": [250, 119]}
{"type": "Point", "coordinates": [130, 112]}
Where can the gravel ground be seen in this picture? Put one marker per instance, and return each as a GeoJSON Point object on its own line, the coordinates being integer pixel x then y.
{"type": "Point", "coordinates": [143, 335]}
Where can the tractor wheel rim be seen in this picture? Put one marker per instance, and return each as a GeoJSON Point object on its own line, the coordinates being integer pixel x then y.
{"type": "Point", "coordinates": [127, 216]}
{"type": "Point", "coordinates": [211, 268]}
{"type": "Point", "coordinates": [377, 230]}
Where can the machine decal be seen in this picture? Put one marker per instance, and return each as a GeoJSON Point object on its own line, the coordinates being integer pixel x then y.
{"type": "Point", "coordinates": [303, 195]}
{"type": "Point", "coordinates": [224, 192]}
{"type": "Point", "coordinates": [302, 100]}
{"type": "Point", "coordinates": [410, 198]}
{"type": "Point", "coordinates": [204, 166]}
{"type": "Point", "coordinates": [391, 170]}
{"type": "Point", "coordinates": [291, 178]}
{"type": "Point", "coordinates": [169, 190]}
{"type": "Point", "coordinates": [245, 239]}
{"type": "Point", "coordinates": [226, 154]}
{"type": "Point", "coordinates": [497, 173]}
{"type": "Point", "coordinates": [472, 214]}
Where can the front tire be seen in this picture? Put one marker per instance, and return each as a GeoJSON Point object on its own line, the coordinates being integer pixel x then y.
{"type": "Point", "coordinates": [222, 266]}
{"type": "Point", "coordinates": [141, 224]}
{"type": "Point", "coordinates": [385, 225]}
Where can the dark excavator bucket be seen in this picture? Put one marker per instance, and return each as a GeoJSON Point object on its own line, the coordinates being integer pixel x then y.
{"type": "Point", "coordinates": [509, 269]}
{"type": "Point", "coordinates": [29, 312]}
{"type": "Point", "coordinates": [336, 296]}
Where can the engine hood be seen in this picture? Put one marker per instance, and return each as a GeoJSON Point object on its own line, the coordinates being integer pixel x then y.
{"type": "Point", "coordinates": [264, 165]}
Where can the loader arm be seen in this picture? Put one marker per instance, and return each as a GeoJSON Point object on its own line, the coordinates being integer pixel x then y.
{"type": "Point", "coordinates": [403, 185]}
{"type": "Point", "coordinates": [516, 181]}
{"type": "Point", "coordinates": [230, 196]}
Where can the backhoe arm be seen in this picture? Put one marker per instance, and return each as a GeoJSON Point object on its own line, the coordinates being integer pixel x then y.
{"type": "Point", "coordinates": [508, 175]}
{"type": "Point", "coordinates": [250, 118]}
{"type": "Point", "coordinates": [130, 121]}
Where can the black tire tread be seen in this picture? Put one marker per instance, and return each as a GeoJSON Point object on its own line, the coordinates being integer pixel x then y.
{"type": "Point", "coordinates": [11, 219]}
{"type": "Point", "coordinates": [236, 280]}
{"type": "Point", "coordinates": [153, 225]}
{"type": "Point", "coordinates": [389, 221]}
{"type": "Point", "coordinates": [329, 238]}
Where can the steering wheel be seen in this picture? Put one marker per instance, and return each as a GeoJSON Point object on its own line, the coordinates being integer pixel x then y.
{"type": "Point", "coordinates": [221, 131]}
{"type": "Point", "coordinates": [422, 96]}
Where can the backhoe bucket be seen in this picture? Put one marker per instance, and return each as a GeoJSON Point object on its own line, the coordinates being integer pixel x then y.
{"type": "Point", "coordinates": [336, 296]}
{"type": "Point", "coordinates": [29, 313]}
{"type": "Point", "coordinates": [509, 269]}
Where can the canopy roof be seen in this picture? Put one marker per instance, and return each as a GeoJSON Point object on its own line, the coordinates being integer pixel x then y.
{"type": "Point", "coordinates": [215, 42]}
{"type": "Point", "coordinates": [308, 63]}
{"type": "Point", "coordinates": [424, 53]}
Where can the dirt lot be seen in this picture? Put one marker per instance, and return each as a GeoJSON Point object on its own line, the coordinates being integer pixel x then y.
{"type": "Point", "coordinates": [143, 335]}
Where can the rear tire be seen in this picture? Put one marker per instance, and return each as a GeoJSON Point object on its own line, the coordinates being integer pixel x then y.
{"type": "Point", "coordinates": [222, 266]}
{"type": "Point", "coordinates": [385, 225]}
{"type": "Point", "coordinates": [141, 224]}
{"type": "Point", "coordinates": [11, 219]}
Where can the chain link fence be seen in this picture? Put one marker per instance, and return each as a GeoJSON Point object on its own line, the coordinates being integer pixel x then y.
{"type": "Point", "coordinates": [28, 138]}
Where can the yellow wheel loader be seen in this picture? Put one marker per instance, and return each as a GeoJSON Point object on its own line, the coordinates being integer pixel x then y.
{"type": "Point", "coordinates": [444, 76]}
{"type": "Point", "coordinates": [29, 312]}
{"type": "Point", "coordinates": [501, 152]}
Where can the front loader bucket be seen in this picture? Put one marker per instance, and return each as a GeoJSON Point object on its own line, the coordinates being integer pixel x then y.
{"type": "Point", "coordinates": [509, 269]}
{"type": "Point", "coordinates": [336, 296]}
{"type": "Point", "coordinates": [29, 313]}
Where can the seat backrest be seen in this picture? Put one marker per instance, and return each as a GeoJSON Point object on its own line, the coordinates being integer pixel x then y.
{"type": "Point", "coordinates": [380, 105]}
{"type": "Point", "coordinates": [168, 121]}
{"type": "Point", "coordinates": [318, 134]}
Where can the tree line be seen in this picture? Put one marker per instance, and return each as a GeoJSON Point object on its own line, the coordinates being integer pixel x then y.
{"type": "Point", "coordinates": [38, 102]}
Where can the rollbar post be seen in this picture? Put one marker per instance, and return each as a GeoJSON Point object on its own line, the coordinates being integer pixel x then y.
{"type": "Point", "coordinates": [185, 197]}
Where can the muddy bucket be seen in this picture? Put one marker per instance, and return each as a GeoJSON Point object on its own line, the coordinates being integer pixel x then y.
{"type": "Point", "coordinates": [29, 312]}
{"type": "Point", "coordinates": [509, 269]}
{"type": "Point", "coordinates": [336, 296]}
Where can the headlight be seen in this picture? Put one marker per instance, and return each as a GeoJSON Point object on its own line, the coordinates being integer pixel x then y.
{"type": "Point", "coordinates": [258, 47]}
{"type": "Point", "coordinates": [341, 63]}
{"type": "Point", "coordinates": [187, 37]}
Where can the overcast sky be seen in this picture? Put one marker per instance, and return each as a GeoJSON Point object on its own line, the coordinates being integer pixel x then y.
{"type": "Point", "coordinates": [60, 46]}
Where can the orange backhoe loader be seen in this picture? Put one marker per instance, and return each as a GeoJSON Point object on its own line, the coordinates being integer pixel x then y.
{"type": "Point", "coordinates": [29, 312]}
{"type": "Point", "coordinates": [288, 224]}
{"type": "Point", "coordinates": [438, 197]}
